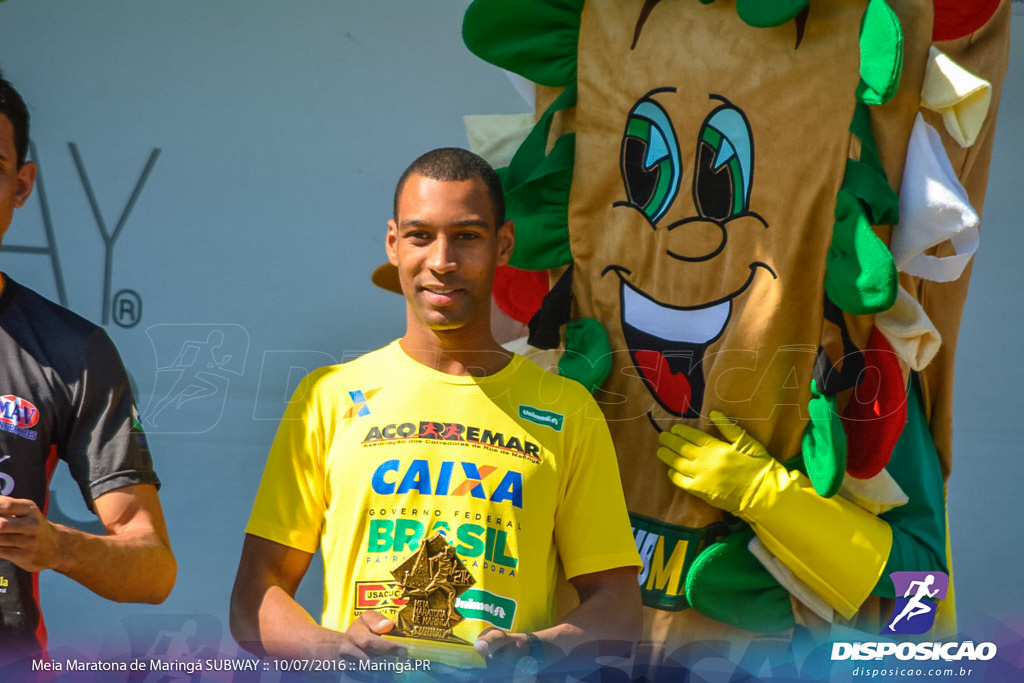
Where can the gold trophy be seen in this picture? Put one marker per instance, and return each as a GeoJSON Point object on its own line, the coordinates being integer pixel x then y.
{"type": "Point", "coordinates": [431, 578]}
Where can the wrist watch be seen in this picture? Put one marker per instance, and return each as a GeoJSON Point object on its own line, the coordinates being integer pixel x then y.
{"type": "Point", "coordinates": [536, 648]}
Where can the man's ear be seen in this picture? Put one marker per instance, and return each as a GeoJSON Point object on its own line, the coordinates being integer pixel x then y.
{"type": "Point", "coordinates": [391, 243]}
{"type": "Point", "coordinates": [506, 242]}
{"type": "Point", "coordinates": [26, 181]}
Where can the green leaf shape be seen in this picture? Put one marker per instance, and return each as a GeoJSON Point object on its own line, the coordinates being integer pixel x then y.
{"type": "Point", "coordinates": [768, 13]}
{"type": "Point", "coordinates": [824, 444]}
{"type": "Point", "coordinates": [728, 584]}
{"type": "Point", "coordinates": [880, 201]}
{"type": "Point", "coordinates": [540, 210]}
{"type": "Point", "coordinates": [866, 178]}
{"type": "Point", "coordinates": [861, 275]}
{"type": "Point", "coordinates": [536, 39]}
{"type": "Point", "coordinates": [588, 355]}
{"type": "Point", "coordinates": [881, 53]}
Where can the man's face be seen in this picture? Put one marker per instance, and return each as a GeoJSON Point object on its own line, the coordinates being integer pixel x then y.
{"type": "Point", "coordinates": [15, 183]}
{"type": "Point", "coordinates": [446, 245]}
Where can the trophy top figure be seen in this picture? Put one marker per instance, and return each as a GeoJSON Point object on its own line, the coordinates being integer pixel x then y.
{"type": "Point", "coordinates": [431, 578]}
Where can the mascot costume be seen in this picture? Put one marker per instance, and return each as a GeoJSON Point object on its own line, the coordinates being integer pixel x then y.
{"type": "Point", "coordinates": [758, 217]}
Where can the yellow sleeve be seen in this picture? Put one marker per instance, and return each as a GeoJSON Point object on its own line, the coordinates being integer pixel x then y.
{"type": "Point", "coordinates": [592, 528]}
{"type": "Point", "coordinates": [291, 501]}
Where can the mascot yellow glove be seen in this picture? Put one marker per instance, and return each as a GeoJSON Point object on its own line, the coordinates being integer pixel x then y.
{"type": "Point", "coordinates": [726, 474]}
{"type": "Point", "coordinates": [832, 545]}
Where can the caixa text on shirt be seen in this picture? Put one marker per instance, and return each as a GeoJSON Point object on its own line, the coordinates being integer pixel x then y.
{"type": "Point", "coordinates": [443, 479]}
{"type": "Point", "coordinates": [455, 432]}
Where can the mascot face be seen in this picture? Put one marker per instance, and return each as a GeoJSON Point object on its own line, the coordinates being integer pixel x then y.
{"type": "Point", "coordinates": [702, 209]}
{"type": "Point", "coordinates": [691, 213]}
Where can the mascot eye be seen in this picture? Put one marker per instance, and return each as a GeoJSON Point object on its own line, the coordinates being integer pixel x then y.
{"type": "Point", "coordinates": [722, 177]}
{"type": "Point", "coordinates": [650, 160]}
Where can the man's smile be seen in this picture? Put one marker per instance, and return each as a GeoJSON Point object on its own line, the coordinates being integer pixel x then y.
{"type": "Point", "coordinates": [441, 295]}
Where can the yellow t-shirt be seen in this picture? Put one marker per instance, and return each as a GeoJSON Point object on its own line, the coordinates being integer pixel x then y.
{"type": "Point", "coordinates": [517, 469]}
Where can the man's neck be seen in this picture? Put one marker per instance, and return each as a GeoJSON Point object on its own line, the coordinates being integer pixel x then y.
{"type": "Point", "coordinates": [453, 354]}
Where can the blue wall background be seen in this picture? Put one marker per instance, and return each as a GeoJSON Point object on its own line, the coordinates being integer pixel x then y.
{"type": "Point", "coordinates": [274, 134]}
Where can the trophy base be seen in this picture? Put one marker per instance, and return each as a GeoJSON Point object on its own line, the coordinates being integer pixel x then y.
{"type": "Point", "coordinates": [450, 654]}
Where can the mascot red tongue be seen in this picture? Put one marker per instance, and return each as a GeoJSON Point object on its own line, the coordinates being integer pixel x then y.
{"type": "Point", "coordinates": [723, 177]}
{"type": "Point", "coordinates": [671, 388]}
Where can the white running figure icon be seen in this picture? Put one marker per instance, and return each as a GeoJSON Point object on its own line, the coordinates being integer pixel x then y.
{"type": "Point", "coordinates": [916, 605]}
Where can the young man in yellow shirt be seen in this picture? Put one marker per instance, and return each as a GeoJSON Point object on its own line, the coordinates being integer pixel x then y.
{"type": "Point", "coordinates": [441, 431]}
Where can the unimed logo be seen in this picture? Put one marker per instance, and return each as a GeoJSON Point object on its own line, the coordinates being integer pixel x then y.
{"type": "Point", "coordinates": [542, 417]}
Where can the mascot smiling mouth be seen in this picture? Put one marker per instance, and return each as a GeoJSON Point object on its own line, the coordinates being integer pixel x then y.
{"type": "Point", "coordinates": [667, 343]}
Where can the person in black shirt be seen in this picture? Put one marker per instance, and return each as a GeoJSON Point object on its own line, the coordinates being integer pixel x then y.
{"type": "Point", "coordinates": [65, 395]}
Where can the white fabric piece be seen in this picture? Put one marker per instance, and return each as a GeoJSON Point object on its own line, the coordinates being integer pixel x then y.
{"type": "Point", "coordinates": [878, 494]}
{"type": "Point", "coordinates": [496, 137]}
{"type": "Point", "coordinates": [934, 208]}
{"type": "Point", "coordinates": [524, 86]}
{"type": "Point", "coordinates": [797, 588]}
{"type": "Point", "coordinates": [545, 358]}
{"type": "Point", "coordinates": [958, 95]}
{"type": "Point", "coordinates": [910, 331]}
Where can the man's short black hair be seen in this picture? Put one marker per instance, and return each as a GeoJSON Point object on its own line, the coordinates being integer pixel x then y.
{"type": "Point", "coordinates": [455, 163]}
{"type": "Point", "coordinates": [13, 107]}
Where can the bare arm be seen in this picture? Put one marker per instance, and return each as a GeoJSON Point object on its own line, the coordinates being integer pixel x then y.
{"type": "Point", "coordinates": [609, 609]}
{"type": "Point", "coordinates": [132, 563]}
{"type": "Point", "coordinates": [266, 619]}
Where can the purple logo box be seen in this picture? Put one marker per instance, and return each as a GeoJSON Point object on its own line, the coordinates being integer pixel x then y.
{"type": "Point", "coordinates": [917, 598]}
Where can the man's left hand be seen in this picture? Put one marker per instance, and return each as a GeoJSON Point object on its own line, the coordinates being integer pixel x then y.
{"type": "Point", "coordinates": [27, 538]}
{"type": "Point", "coordinates": [500, 647]}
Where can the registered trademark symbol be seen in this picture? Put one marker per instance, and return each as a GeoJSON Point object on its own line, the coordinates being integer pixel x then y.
{"type": "Point", "coordinates": [127, 308]}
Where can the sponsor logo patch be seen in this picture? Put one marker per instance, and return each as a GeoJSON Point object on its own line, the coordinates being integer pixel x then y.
{"type": "Point", "coordinates": [455, 434]}
{"type": "Point", "coordinates": [667, 552]}
{"type": "Point", "coordinates": [378, 595]}
{"type": "Point", "coordinates": [486, 606]}
{"type": "Point", "coordinates": [18, 416]}
{"type": "Point", "coordinates": [542, 417]}
{"type": "Point", "coordinates": [360, 399]}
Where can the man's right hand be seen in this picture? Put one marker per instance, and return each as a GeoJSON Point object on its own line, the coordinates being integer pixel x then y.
{"type": "Point", "coordinates": [362, 639]}
{"type": "Point", "coordinates": [267, 621]}
{"type": "Point", "coordinates": [27, 538]}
